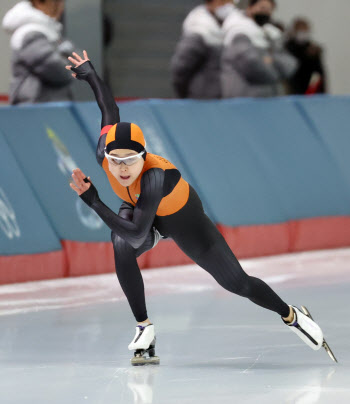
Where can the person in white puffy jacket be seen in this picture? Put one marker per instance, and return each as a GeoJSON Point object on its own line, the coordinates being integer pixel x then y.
{"type": "Point", "coordinates": [195, 65]}
{"type": "Point", "coordinates": [254, 61]}
{"type": "Point", "coordinates": [38, 52]}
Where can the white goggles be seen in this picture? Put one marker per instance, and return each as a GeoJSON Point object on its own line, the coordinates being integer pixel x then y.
{"type": "Point", "coordinates": [129, 161]}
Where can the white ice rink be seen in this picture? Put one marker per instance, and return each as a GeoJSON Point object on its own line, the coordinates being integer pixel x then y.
{"type": "Point", "coordinates": [65, 341]}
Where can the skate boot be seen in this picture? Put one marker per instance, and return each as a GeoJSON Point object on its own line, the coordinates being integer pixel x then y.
{"type": "Point", "coordinates": [324, 344]}
{"type": "Point", "coordinates": [306, 329]}
{"type": "Point", "coordinates": [144, 344]}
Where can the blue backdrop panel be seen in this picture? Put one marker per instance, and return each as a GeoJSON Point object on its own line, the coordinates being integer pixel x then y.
{"type": "Point", "coordinates": [156, 134]}
{"type": "Point", "coordinates": [329, 118]}
{"type": "Point", "coordinates": [89, 116]}
{"type": "Point", "coordinates": [221, 162]}
{"type": "Point", "coordinates": [24, 227]}
{"type": "Point", "coordinates": [291, 156]}
{"type": "Point", "coordinates": [48, 143]}
{"type": "Point", "coordinates": [256, 160]}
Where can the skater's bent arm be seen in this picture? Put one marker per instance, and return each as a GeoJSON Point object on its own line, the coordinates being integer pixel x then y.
{"type": "Point", "coordinates": [134, 232]}
{"type": "Point", "coordinates": [84, 70]}
{"type": "Point", "coordinates": [105, 100]}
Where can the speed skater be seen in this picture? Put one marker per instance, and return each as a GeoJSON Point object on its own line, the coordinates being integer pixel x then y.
{"type": "Point", "coordinates": [158, 202]}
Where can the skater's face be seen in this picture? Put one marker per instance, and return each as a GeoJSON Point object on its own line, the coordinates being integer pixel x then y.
{"type": "Point", "coordinates": [125, 174]}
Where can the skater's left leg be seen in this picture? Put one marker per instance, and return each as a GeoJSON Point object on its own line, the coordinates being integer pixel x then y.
{"type": "Point", "coordinates": [222, 264]}
{"type": "Point", "coordinates": [290, 317]}
{"type": "Point", "coordinates": [198, 237]}
{"type": "Point", "coordinates": [203, 242]}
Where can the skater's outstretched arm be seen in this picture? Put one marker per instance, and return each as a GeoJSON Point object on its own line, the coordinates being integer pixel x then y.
{"type": "Point", "coordinates": [134, 232]}
{"type": "Point", "coordinates": [84, 70]}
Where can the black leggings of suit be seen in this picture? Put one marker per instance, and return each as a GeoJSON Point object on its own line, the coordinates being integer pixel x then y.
{"type": "Point", "coordinates": [198, 238]}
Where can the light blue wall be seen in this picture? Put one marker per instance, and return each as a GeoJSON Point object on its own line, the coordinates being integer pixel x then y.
{"type": "Point", "coordinates": [251, 161]}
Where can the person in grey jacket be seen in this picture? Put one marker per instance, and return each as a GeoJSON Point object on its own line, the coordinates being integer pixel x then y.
{"type": "Point", "coordinates": [254, 61]}
{"type": "Point", "coordinates": [195, 65]}
{"type": "Point", "coordinates": [38, 52]}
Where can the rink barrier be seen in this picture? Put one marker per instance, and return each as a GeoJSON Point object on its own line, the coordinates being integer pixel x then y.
{"type": "Point", "coordinates": [48, 143]}
{"type": "Point", "coordinates": [328, 118]}
{"type": "Point", "coordinates": [293, 236]}
{"type": "Point", "coordinates": [272, 174]}
{"type": "Point", "coordinates": [32, 267]}
{"type": "Point", "coordinates": [29, 247]}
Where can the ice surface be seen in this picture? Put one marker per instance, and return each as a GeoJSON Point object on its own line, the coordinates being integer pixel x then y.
{"type": "Point", "coordinates": [65, 341]}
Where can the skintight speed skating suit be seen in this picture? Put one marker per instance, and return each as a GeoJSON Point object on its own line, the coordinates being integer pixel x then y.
{"type": "Point", "coordinates": [160, 198]}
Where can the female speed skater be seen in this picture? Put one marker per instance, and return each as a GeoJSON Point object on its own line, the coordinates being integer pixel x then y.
{"type": "Point", "coordinates": [159, 202]}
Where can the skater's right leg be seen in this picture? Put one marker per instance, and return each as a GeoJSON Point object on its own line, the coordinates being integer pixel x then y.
{"type": "Point", "coordinates": [131, 281]}
{"type": "Point", "coordinates": [127, 269]}
{"type": "Point", "coordinates": [129, 276]}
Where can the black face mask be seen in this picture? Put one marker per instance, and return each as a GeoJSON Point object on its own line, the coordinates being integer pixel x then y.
{"type": "Point", "coordinates": [262, 19]}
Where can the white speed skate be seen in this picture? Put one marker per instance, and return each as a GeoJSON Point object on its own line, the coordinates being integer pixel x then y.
{"type": "Point", "coordinates": [144, 344]}
{"type": "Point", "coordinates": [306, 329]}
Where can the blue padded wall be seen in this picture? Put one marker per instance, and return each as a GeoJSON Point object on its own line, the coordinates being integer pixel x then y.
{"type": "Point", "coordinates": [329, 119]}
{"type": "Point", "coordinates": [48, 143]}
{"type": "Point", "coordinates": [256, 161]}
{"type": "Point", "coordinates": [251, 161]}
{"type": "Point", "coordinates": [24, 227]}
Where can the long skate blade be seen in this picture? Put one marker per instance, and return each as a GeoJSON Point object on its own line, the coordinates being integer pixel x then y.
{"type": "Point", "coordinates": [142, 361]}
{"type": "Point", "coordinates": [329, 351]}
{"type": "Point", "coordinates": [324, 344]}
{"type": "Point", "coordinates": [306, 312]}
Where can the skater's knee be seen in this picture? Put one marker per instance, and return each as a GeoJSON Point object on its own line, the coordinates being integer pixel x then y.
{"type": "Point", "coordinates": [241, 286]}
{"type": "Point", "coordinates": [115, 238]}
{"type": "Point", "coordinates": [245, 288]}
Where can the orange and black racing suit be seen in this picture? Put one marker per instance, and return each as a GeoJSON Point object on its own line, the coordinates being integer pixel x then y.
{"type": "Point", "coordinates": [160, 198]}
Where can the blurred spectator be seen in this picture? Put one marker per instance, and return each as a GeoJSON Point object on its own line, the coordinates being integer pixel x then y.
{"type": "Point", "coordinates": [195, 65]}
{"type": "Point", "coordinates": [310, 76]}
{"type": "Point", "coordinates": [279, 24]}
{"type": "Point", "coordinates": [254, 62]}
{"type": "Point", "coordinates": [38, 52]}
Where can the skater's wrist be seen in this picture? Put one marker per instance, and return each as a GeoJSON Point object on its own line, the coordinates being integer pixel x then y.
{"type": "Point", "coordinates": [90, 197]}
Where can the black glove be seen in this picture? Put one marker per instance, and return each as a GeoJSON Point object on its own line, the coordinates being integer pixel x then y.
{"type": "Point", "coordinates": [84, 71]}
{"type": "Point", "coordinates": [91, 195]}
